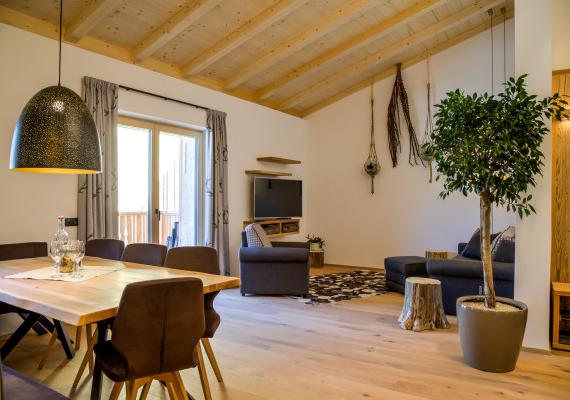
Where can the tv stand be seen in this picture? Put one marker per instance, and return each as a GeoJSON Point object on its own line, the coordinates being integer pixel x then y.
{"type": "Point", "coordinates": [277, 227]}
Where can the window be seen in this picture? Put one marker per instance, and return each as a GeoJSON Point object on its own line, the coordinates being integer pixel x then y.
{"type": "Point", "coordinates": [160, 183]}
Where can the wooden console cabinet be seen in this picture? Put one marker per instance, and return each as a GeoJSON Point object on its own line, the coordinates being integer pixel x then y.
{"type": "Point", "coordinates": [277, 227]}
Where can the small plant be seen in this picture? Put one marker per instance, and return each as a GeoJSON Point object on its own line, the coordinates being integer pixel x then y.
{"type": "Point", "coordinates": [316, 239]}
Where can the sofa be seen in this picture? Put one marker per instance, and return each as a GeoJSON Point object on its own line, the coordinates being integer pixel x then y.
{"type": "Point", "coordinates": [462, 276]}
{"type": "Point", "coordinates": [279, 270]}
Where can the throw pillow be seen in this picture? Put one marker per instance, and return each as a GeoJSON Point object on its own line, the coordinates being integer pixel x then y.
{"type": "Point", "coordinates": [256, 236]}
{"type": "Point", "coordinates": [473, 247]}
{"type": "Point", "coordinates": [503, 246]}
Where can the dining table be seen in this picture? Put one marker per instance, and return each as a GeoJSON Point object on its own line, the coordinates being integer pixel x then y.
{"type": "Point", "coordinates": [79, 303]}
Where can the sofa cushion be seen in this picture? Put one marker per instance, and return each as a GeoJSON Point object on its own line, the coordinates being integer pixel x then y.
{"type": "Point", "coordinates": [406, 265]}
{"type": "Point", "coordinates": [256, 236]}
{"type": "Point", "coordinates": [504, 246]}
{"type": "Point", "coordinates": [473, 247]}
{"type": "Point", "coordinates": [273, 255]}
{"type": "Point", "coordinates": [465, 267]}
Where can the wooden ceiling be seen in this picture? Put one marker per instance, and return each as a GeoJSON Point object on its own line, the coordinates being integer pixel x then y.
{"type": "Point", "coordinates": [295, 56]}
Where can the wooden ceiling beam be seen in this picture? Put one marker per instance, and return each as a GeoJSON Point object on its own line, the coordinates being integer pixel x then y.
{"type": "Point", "coordinates": [346, 73]}
{"type": "Point", "coordinates": [239, 36]}
{"type": "Point", "coordinates": [175, 25]}
{"type": "Point", "coordinates": [352, 44]}
{"type": "Point", "coordinates": [407, 63]}
{"type": "Point", "coordinates": [297, 41]}
{"type": "Point", "coordinates": [88, 18]}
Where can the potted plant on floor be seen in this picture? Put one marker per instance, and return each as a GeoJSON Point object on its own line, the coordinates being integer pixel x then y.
{"type": "Point", "coordinates": [490, 146]}
{"type": "Point", "coordinates": [316, 243]}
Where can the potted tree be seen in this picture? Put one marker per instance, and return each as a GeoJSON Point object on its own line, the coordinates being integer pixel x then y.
{"type": "Point", "coordinates": [490, 146]}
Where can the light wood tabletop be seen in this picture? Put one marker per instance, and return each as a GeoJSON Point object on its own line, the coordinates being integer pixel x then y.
{"type": "Point", "coordinates": [96, 299]}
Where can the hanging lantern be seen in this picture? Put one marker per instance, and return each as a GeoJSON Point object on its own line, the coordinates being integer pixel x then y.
{"type": "Point", "coordinates": [55, 132]}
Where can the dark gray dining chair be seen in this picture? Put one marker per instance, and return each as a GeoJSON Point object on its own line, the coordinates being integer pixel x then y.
{"type": "Point", "coordinates": [145, 253]}
{"type": "Point", "coordinates": [201, 259]}
{"type": "Point", "coordinates": [153, 336]}
{"type": "Point", "coordinates": [111, 249]}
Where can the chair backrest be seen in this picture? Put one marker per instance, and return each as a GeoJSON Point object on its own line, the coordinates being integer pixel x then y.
{"type": "Point", "coordinates": [158, 325]}
{"type": "Point", "coordinates": [145, 253]}
{"type": "Point", "coordinates": [15, 251]}
{"type": "Point", "coordinates": [193, 258]}
{"type": "Point", "coordinates": [111, 249]}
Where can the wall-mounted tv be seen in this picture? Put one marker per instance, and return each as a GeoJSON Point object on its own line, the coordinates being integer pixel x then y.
{"type": "Point", "coordinates": [277, 198]}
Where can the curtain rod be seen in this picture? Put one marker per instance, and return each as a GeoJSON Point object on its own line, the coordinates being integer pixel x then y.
{"type": "Point", "coordinates": [130, 89]}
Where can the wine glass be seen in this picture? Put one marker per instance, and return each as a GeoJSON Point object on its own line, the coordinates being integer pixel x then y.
{"type": "Point", "coordinates": [79, 254]}
{"type": "Point", "coordinates": [68, 256]}
{"type": "Point", "coordinates": [56, 253]}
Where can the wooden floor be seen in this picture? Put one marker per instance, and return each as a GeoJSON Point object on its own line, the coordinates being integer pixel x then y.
{"type": "Point", "coordinates": [276, 348]}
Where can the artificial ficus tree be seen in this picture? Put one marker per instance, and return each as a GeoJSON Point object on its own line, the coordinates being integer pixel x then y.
{"type": "Point", "coordinates": [490, 145]}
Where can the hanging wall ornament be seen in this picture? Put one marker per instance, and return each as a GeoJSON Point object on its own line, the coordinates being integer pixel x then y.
{"type": "Point", "coordinates": [399, 100]}
{"type": "Point", "coordinates": [425, 153]}
{"type": "Point", "coordinates": [372, 166]}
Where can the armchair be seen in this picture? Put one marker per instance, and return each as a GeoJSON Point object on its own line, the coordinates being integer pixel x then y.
{"type": "Point", "coordinates": [281, 269]}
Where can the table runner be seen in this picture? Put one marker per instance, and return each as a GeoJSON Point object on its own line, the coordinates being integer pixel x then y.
{"type": "Point", "coordinates": [48, 273]}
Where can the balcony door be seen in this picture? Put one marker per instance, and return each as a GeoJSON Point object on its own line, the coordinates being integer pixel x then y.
{"type": "Point", "coordinates": [160, 183]}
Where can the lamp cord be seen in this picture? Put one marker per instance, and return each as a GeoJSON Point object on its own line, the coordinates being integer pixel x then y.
{"type": "Point", "coordinates": [60, 29]}
{"type": "Point", "coordinates": [490, 12]}
{"type": "Point", "coordinates": [504, 12]}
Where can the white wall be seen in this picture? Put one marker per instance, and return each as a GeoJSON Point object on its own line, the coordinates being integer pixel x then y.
{"type": "Point", "coordinates": [29, 203]}
{"type": "Point", "coordinates": [561, 34]}
{"type": "Point", "coordinates": [533, 56]}
{"type": "Point", "coordinates": [405, 216]}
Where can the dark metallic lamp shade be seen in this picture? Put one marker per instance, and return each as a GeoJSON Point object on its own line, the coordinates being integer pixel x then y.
{"type": "Point", "coordinates": [56, 134]}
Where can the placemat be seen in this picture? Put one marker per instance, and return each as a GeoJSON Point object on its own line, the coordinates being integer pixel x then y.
{"type": "Point", "coordinates": [48, 273]}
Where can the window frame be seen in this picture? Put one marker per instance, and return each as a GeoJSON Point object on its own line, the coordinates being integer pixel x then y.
{"type": "Point", "coordinates": [155, 128]}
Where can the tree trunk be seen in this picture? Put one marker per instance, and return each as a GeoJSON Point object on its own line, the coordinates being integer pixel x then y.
{"type": "Point", "coordinates": [489, 283]}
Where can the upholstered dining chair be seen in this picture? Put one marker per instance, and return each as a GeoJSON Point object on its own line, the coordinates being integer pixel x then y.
{"type": "Point", "coordinates": [111, 249]}
{"type": "Point", "coordinates": [145, 253]}
{"type": "Point", "coordinates": [201, 259]}
{"type": "Point", "coordinates": [153, 337]}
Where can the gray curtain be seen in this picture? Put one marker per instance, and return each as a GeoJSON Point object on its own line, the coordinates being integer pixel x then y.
{"type": "Point", "coordinates": [97, 199]}
{"type": "Point", "coordinates": [216, 190]}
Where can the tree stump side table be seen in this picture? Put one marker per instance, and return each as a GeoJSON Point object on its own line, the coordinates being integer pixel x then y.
{"type": "Point", "coordinates": [423, 307]}
{"type": "Point", "coordinates": [316, 258]}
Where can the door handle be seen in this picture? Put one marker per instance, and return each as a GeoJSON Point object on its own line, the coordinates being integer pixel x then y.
{"type": "Point", "coordinates": [157, 212]}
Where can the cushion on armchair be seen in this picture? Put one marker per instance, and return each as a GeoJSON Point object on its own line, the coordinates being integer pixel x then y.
{"type": "Point", "coordinates": [256, 236]}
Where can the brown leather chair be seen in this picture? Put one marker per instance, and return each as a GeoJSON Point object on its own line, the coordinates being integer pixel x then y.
{"type": "Point", "coordinates": [145, 253]}
{"type": "Point", "coordinates": [201, 259]}
{"type": "Point", "coordinates": [111, 249]}
{"type": "Point", "coordinates": [156, 333]}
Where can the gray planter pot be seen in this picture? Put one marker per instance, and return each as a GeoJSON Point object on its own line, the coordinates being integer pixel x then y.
{"type": "Point", "coordinates": [491, 340]}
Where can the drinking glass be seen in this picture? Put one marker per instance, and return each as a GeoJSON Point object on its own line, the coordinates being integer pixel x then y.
{"type": "Point", "coordinates": [79, 254]}
{"type": "Point", "coordinates": [56, 253]}
{"type": "Point", "coordinates": [68, 256]}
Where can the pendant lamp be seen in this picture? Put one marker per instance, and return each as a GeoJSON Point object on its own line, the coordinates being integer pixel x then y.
{"type": "Point", "coordinates": [55, 133]}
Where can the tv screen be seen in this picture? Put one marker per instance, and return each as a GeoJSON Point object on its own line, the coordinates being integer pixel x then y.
{"type": "Point", "coordinates": [277, 198]}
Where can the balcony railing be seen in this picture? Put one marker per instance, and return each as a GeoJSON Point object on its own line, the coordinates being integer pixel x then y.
{"type": "Point", "coordinates": [133, 226]}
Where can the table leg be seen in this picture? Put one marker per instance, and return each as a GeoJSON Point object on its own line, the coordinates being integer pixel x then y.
{"type": "Point", "coordinates": [63, 337]}
{"type": "Point", "coordinates": [18, 335]}
{"type": "Point", "coordinates": [97, 373]}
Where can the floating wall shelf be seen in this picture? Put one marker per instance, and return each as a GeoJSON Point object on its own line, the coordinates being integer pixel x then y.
{"type": "Point", "coordinates": [278, 160]}
{"type": "Point", "coordinates": [267, 173]}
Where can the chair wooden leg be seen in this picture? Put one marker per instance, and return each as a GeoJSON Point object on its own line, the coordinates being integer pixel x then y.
{"type": "Point", "coordinates": [212, 358]}
{"type": "Point", "coordinates": [78, 337]}
{"type": "Point", "coordinates": [172, 389]}
{"type": "Point", "coordinates": [145, 390]}
{"type": "Point", "coordinates": [133, 388]}
{"type": "Point", "coordinates": [180, 386]}
{"type": "Point", "coordinates": [89, 335]}
{"type": "Point", "coordinates": [88, 357]}
{"type": "Point", "coordinates": [202, 372]}
{"type": "Point", "coordinates": [52, 340]}
{"type": "Point", "coordinates": [117, 387]}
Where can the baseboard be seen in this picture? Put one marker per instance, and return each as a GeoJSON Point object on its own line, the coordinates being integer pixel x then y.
{"type": "Point", "coordinates": [536, 351]}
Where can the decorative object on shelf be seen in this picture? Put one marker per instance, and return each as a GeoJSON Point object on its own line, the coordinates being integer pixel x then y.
{"type": "Point", "coordinates": [399, 100]}
{"type": "Point", "coordinates": [472, 144]}
{"type": "Point", "coordinates": [372, 166]}
{"type": "Point", "coordinates": [316, 243]}
{"type": "Point", "coordinates": [330, 288]}
{"type": "Point", "coordinates": [55, 133]}
{"type": "Point", "coordinates": [423, 307]}
{"type": "Point", "coordinates": [425, 154]}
